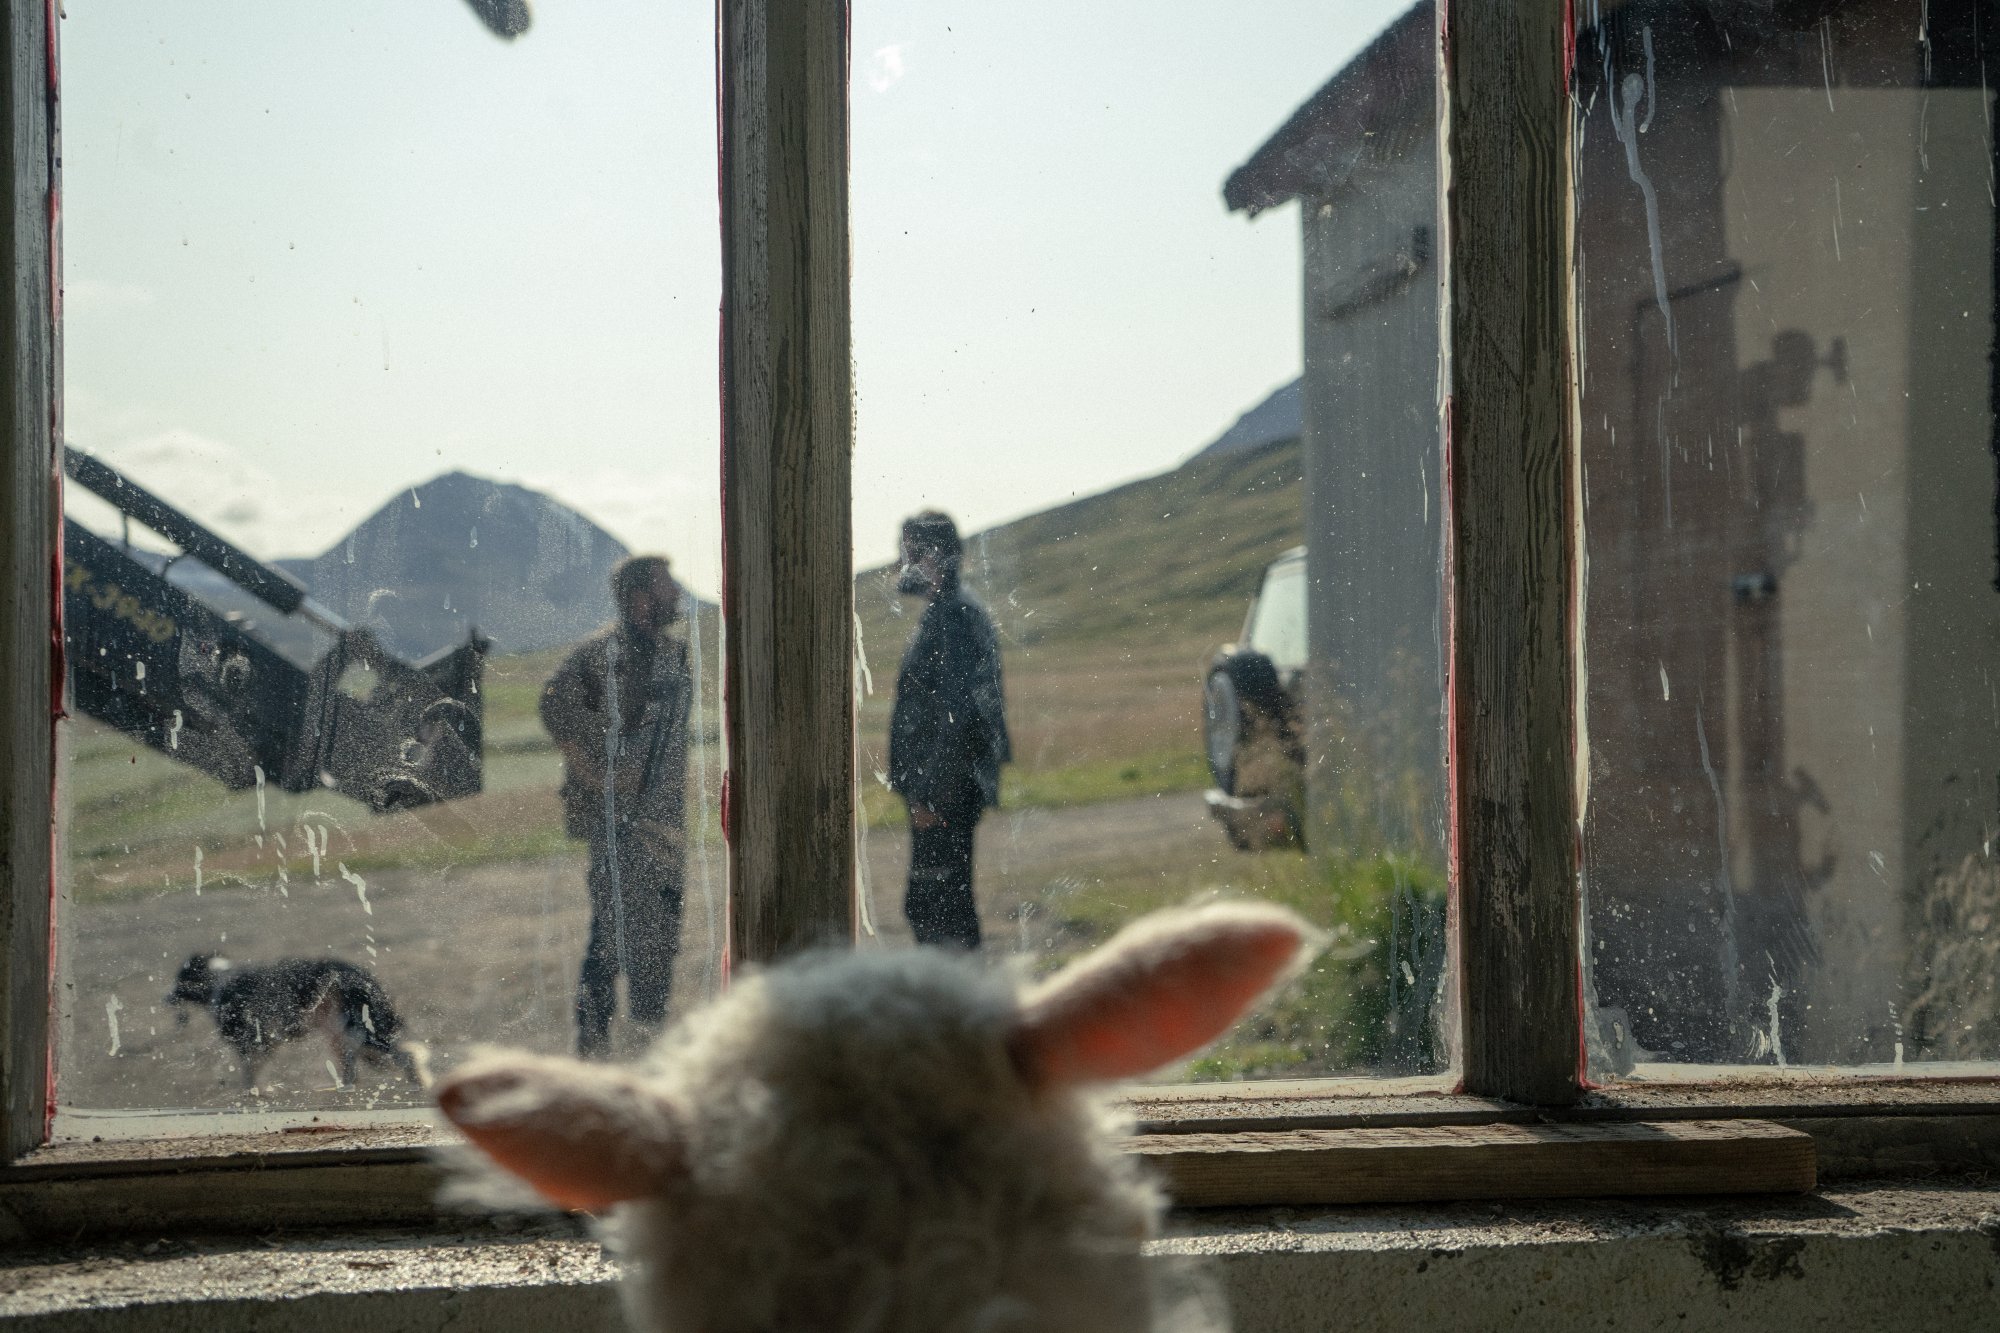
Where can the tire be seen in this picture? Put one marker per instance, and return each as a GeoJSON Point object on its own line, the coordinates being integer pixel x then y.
{"type": "Point", "coordinates": [1241, 682]}
{"type": "Point", "coordinates": [1256, 679]}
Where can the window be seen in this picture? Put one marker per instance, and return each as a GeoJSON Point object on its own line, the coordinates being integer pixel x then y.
{"type": "Point", "coordinates": [408, 357]}
{"type": "Point", "coordinates": [1527, 593]}
{"type": "Point", "coordinates": [1145, 413]}
{"type": "Point", "coordinates": [1786, 228]}
{"type": "Point", "coordinates": [1277, 624]}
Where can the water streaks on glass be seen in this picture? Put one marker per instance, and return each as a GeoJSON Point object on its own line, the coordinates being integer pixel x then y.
{"type": "Point", "coordinates": [1785, 226]}
{"type": "Point", "coordinates": [387, 341]}
{"type": "Point", "coordinates": [1159, 657]}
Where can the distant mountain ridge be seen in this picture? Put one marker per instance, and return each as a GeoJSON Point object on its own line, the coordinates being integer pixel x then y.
{"type": "Point", "coordinates": [1281, 416]}
{"type": "Point", "coordinates": [1170, 554]}
{"type": "Point", "coordinates": [431, 565]}
{"type": "Point", "coordinates": [459, 553]}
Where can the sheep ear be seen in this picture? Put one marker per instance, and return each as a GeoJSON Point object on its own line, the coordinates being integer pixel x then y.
{"type": "Point", "coordinates": [1160, 990]}
{"type": "Point", "coordinates": [584, 1136]}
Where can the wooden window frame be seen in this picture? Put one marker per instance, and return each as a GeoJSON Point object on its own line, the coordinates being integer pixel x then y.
{"type": "Point", "coordinates": [1510, 420]}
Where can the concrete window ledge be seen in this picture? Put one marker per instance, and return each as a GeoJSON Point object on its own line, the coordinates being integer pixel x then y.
{"type": "Point", "coordinates": [545, 1276]}
{"type": "Point", "coordinates": [1915, 1256]}
{"type": "Point", "coordinates": [1890, 1257]}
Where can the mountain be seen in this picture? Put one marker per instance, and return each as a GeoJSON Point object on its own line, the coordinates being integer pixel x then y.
{"type": "Point", "coordinates": [1279, 417]}
{"type": "Point", "coordinates": [461, 552]}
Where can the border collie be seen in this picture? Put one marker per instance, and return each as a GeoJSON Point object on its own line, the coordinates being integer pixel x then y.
{"type": "Point", "coordinates": [259, 1006]}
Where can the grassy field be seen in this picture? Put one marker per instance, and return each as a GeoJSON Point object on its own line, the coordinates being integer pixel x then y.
{"type": "Point", "coordinates": [1369, 1002]}
{"type": "Point", "coordinates": [1107, 609]}
{"type": "Point", "coordinates": [138, 819]}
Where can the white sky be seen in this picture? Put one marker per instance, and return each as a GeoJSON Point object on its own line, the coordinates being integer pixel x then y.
{"type": "Point", "coordinates": [319, 253]}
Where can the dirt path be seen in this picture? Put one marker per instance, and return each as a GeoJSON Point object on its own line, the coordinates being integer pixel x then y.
{"type": "Point", "coordinates": [1025, 855]}
{"type": "Point", "coordinates": [486, 954]}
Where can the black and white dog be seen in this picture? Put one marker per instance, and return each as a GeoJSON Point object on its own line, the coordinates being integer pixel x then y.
{"type": "Point", "coordinates": [258, 1006]}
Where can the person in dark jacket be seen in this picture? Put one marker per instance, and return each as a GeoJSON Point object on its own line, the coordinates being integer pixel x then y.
{"type": "Point", "coordinates": [947, 733]}
{"type": "Point", "coordinates": [617, 709]}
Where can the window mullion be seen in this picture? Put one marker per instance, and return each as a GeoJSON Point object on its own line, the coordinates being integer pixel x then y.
{"type": "Point", "coordinates": [1509, 416]}
{"type": "Point", "coordinates": [27, 566]}
{"type": "Point", "coordinates": [787, 413]}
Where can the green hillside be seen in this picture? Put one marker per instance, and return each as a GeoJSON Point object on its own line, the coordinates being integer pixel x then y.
{"type": "Point", "coordinates": [1107, 609]}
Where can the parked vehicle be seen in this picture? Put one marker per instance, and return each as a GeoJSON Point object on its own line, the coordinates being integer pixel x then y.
{"type": "Point", "coordinates": [206, 688]}
{"type": "Point", "coordinates": [1252, 719]}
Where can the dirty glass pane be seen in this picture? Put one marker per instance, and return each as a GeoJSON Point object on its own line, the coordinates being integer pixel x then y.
{"type": "Point", "coordinates": [1786, 235]}
{"type": "Point", "coordinates": [1149, 313]}
{"type": "Point", "coordinates": [387, 337]}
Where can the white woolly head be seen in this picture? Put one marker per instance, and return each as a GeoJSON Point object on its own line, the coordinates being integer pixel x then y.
{"type": "Point", "coordinates": [897, 1142]}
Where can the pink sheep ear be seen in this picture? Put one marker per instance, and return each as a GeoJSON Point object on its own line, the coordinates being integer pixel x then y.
{"type": "Point", "coordinates": [584, 1136]}
{"type": "Point", "coordinates": [1160, 990]}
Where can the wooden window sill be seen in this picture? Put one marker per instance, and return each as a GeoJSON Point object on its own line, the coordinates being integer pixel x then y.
{"type": "Point", "coordinates": [381, 1174]}
{"type": "Point", "coordinates": [1496, 1161]}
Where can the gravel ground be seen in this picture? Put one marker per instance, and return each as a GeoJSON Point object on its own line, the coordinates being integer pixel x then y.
{"type": "Point", "coordinates": [483, 954]}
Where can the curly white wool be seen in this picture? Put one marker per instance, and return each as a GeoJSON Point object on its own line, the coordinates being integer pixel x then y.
{"type": "Point", "coordinates": [886, 1143]}
{"type": "Point", "coordinates": [863, 1155]}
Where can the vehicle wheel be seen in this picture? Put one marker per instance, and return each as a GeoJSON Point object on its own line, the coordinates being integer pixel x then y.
{"type": "Point", "coordinates": [1256, 679]}
{"type": "Point", "coordinates": [1241, 686]}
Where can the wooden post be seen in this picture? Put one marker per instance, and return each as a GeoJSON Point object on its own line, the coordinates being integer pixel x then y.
{"type": "Point", "coordinates": [1509, 423]}
{"type": "Point", "coordinates": [787, 414]}
{"type": "Point", "coordinates": [29, 500]}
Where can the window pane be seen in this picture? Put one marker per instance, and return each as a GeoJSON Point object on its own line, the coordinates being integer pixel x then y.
{"type": "Point", "coordinates": [421, 321]}
{"type": "Point", "coordinates": [1150, 313]}
{"type": "Point", "coordinates": [1278, 621]}
{"type": "Point", "coordinates": [1786, 229]}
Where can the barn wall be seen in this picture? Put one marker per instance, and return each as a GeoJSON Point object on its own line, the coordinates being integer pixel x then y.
{"type": "Point", "coordinates": [1374, 508]}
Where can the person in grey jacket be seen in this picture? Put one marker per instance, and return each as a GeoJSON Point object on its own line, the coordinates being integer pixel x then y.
{"type": "Point", "coordinates": [618, 710]}
{"type": "Point", "coordinates": [947, 733]}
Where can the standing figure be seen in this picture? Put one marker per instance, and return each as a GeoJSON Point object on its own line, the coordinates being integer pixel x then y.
{"type": "Point", "coordinates": [618, 710]}
{"type": "Point", "coordinates": [947, 733]}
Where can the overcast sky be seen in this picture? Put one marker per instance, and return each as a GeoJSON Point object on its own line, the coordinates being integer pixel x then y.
{"type": "Point", "coordinates": [316, 254]}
